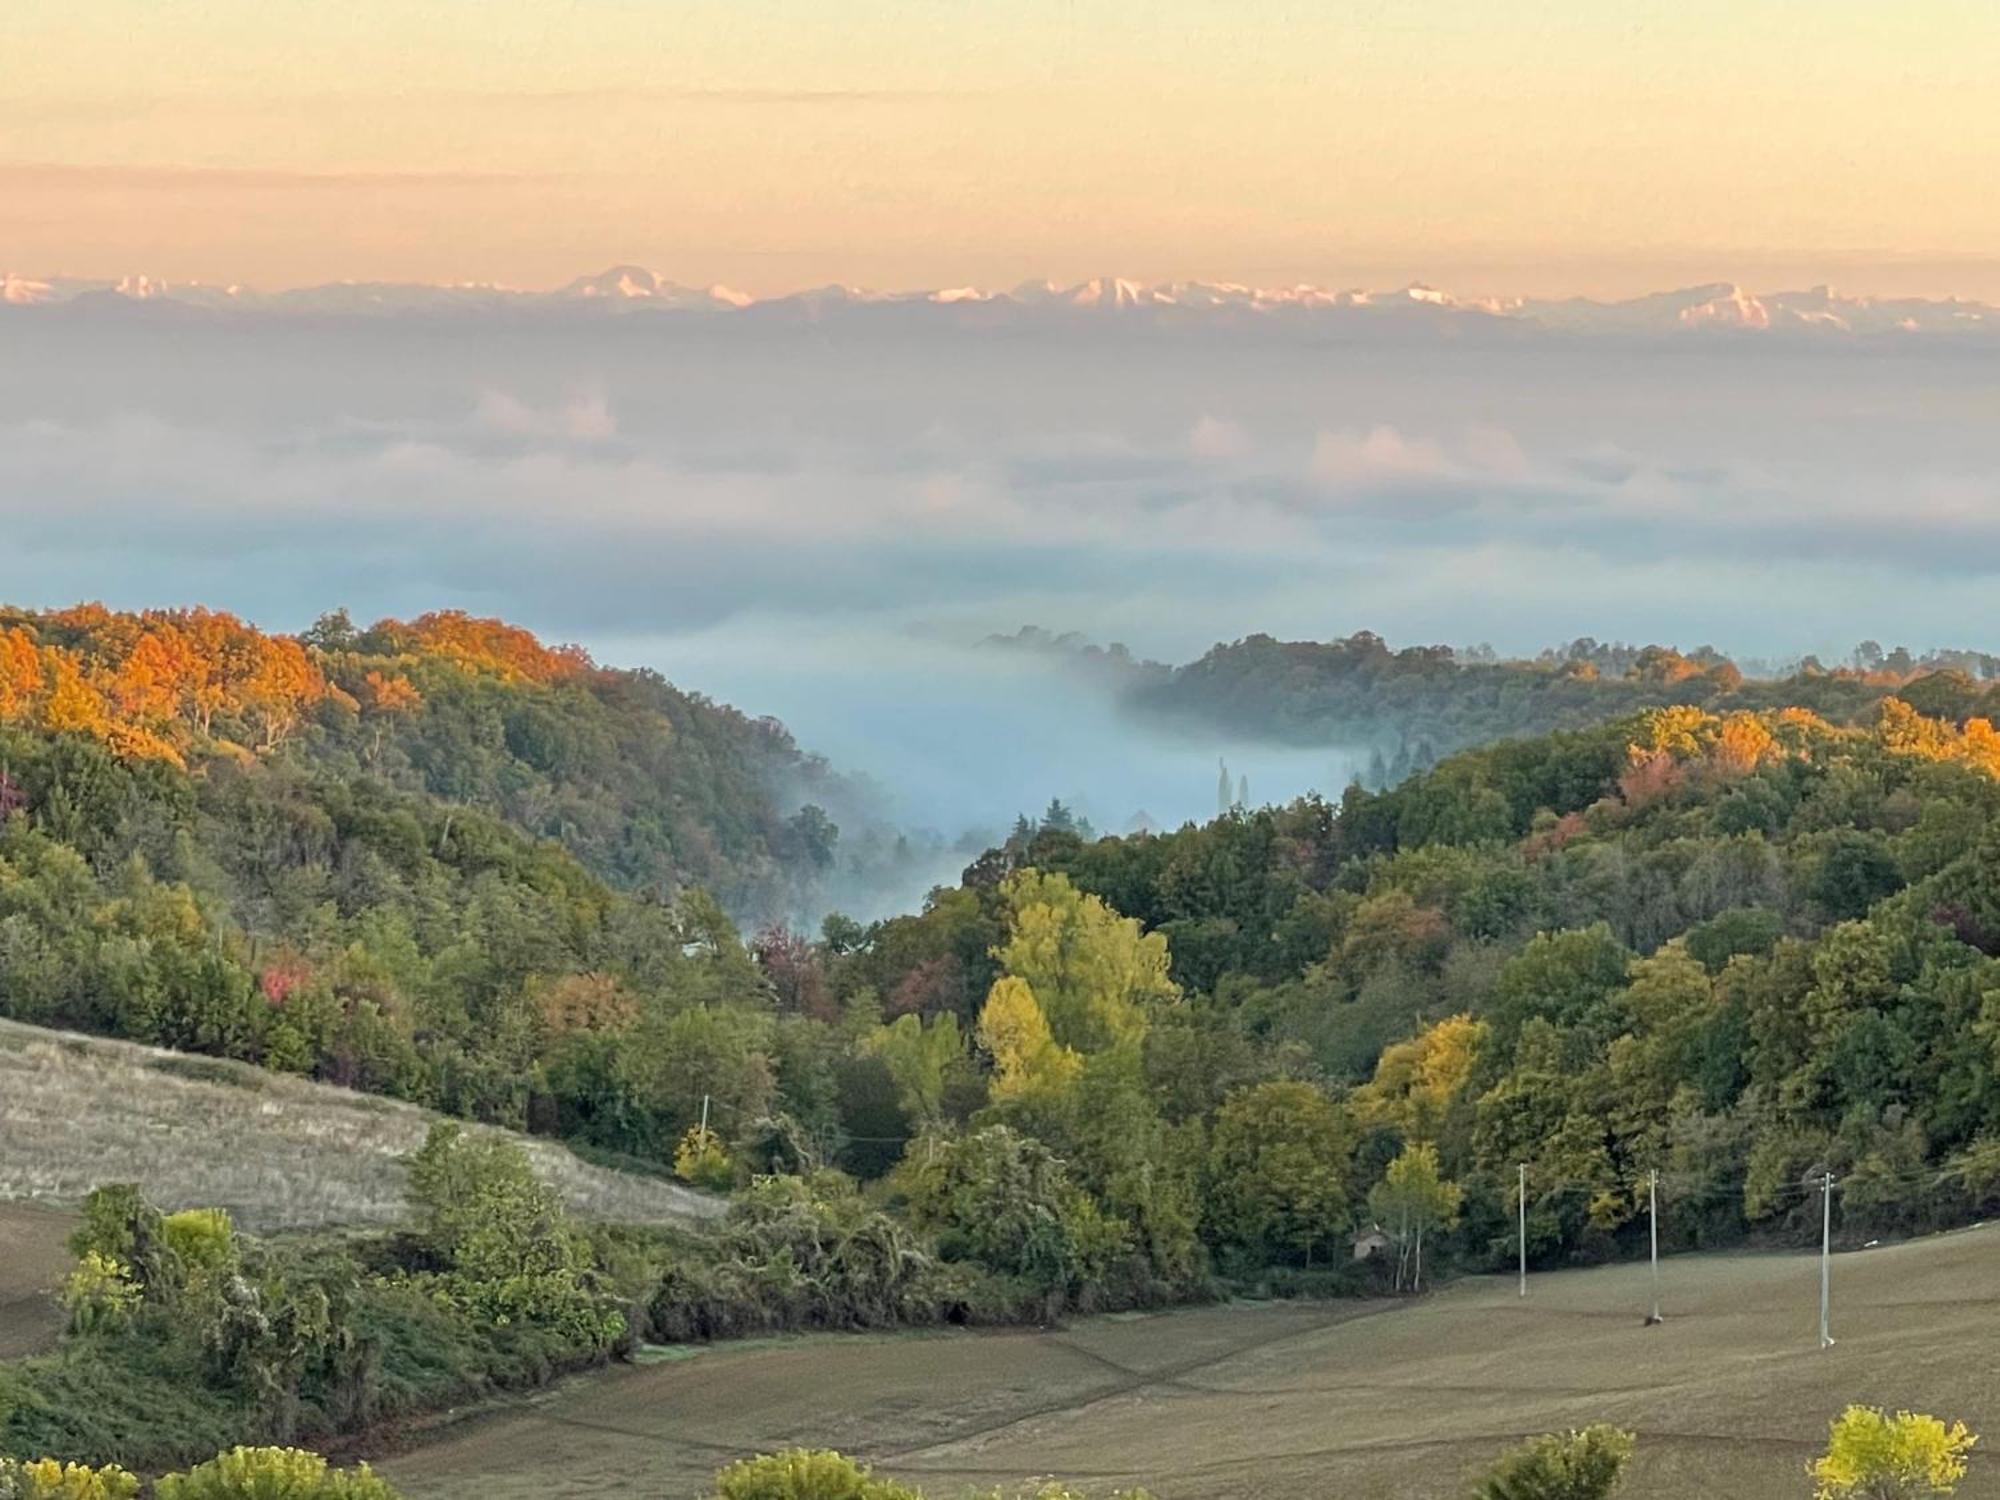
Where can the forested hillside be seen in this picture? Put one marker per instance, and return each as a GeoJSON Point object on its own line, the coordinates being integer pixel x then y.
{"type": "Point", "coordinates": [1740, 949]}
{"type": "Point", "coordinates": [1737, 949]}
{"type": "Point", "coordinates": [1411, 706]}
{"type": "Point", "coordinates": [649, 786]}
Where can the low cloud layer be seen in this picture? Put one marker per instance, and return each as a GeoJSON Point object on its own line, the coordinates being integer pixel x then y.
{"type": "Point", "coordinates": [814, 529]}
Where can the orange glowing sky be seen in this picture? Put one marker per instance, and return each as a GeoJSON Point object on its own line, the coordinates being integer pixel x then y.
{"type": "Point", "coordinates": [1595, 146]}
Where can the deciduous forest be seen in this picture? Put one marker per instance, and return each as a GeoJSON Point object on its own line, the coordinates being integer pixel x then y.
{"type": "Point", "coordinates": [1742, 943]}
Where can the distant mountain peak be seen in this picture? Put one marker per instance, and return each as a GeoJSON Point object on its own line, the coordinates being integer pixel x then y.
{"type": "Point", "coordinates": [1708, 307]}
{"type": "Point", "coordinates": [638, 284]}
{"type": "Point", "coordinates": [21, 291]}
{"type": "Point", "coordinates": [619, 281]}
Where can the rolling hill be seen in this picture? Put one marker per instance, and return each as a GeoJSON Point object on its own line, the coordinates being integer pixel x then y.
{"type": "Point", "coordinates": [278, 1153]}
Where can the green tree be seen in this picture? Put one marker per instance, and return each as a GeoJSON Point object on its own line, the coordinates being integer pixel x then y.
{"type": "Point", "coordinates": [1871, 1455]}
{"type": "Point", "coordinates": [921, 1059]}
{"type": "Point", "coordinates": [120, 1227]}
{"type": "Point", "coordinates": [1006, 1201]}
{"type": "Point", "coordinates": [1584, 1465]}
{"type": "Point", "coordinates": [512, 1250]}
{"type": "Point", "coordinates": [1277, 1170]}
{"type": "Point", "coordinates": [1413, 1199]}
{"type": "Point", "coordinates": [1570, 979]}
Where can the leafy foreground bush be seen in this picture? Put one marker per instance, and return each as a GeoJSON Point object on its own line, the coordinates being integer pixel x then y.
{"type": "Point", "coordinates": [1586, 1465]}
{"type": "Point", "coordinates": [46, 1479]}
{"type": "Point", "coordinates": [1871, 1455]}
{"type": "Point", "coordinates": [272, 1474]}
{"type": "Point", "coordinates": [822, 1474]}
{"type": "Point", "coordinates": [813, 1253]}
{"type": "Point", "coordinates": [240, 1474]}
{"type": "Point", "coordinates": [805, 1474]}
{"type": "Point", "coordinates": [187, 1338]}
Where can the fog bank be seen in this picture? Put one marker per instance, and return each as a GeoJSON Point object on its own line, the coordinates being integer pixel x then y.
{"type": "Point", "coordinates": [817, 522]}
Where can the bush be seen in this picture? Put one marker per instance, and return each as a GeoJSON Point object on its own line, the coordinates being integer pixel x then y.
{"type": "Point", "coordinates": [802, 1474]}
{"type": "Point", "coordinates": [272, 1474]}
{"type": "Point", "coordinates": [513, 1253]}
{"type": "Point", "coordinates": [1005, 1201]}
{"type": "Point", "coordinates": [804, 1253]}
{"type": "Point", "coordinates": [120, 1226]}
{"type": "Point", "coordinates": [133, 1393]}
{"type": "Point", "coordinates": [202, 1240]}
{"type": "Point", "coordinates": [1586, 1465]}
{"type": "Point", "coordinates": [703, 1161]}
{"type": "Point", "coordinates": [205, 1339]}
{"type": "Point", "coordinates": [1871, 1455]}
{"type": "Point", "coordinates": [100, 1294]}
{"type": "Point", "coordinates": [45, 1479]}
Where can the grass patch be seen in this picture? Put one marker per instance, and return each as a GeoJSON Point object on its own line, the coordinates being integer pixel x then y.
{"type": "Point", "coordinates": [278, 1152]}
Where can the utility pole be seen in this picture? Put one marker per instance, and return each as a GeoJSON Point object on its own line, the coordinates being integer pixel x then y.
{"type": "Point", "coordinates": [1825, 1258]}
{"type": "Point", "coordinates": [1653, 1216]}
{"type": "Point", "coordinates": [1522, 1199]}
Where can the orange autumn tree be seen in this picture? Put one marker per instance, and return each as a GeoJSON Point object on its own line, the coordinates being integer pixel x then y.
{"type": "Point", "coordinates": [384, 698]}
{"type": "Point", "coordinates": [162, 684]}
{"type": "Point", "coordinates": [151, 685]}
{"type": "Point", "coordinates": [1903, 731]}
{"type": "Point", "coordinates": [1680, 740]}
{"type": "Point", "coordinates": [482, 645]}
{"type": "Point", "coordinates": [281, 683]}
{"type": "Point", "coordinates": [22, 676]}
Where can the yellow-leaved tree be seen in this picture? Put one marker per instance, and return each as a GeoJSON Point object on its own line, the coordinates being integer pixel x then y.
{"type": "Point", "coordinates": [1871, 1455]}
{"type": "Point", "coordinates": [1417, 1082]}
{"type": "Point", "coordinates": [1027, 1059]}
{"type": "Point", "coordinates": [1094, 974]}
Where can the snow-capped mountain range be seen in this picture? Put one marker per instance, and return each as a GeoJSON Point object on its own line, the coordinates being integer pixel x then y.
{"type": "Point", "coordinates": [633, 289]}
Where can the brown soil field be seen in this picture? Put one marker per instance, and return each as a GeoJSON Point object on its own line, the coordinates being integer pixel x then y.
{"type": "Point", "coordinates": [34, 1259]}
{"type": "Point", "coordinates": [1730, 1396]}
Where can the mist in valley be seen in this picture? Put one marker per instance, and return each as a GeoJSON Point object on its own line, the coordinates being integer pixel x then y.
{"type": "Point", "coordinates": [952, 741]}
{"type": "Point", "coordinates": [821, 520]}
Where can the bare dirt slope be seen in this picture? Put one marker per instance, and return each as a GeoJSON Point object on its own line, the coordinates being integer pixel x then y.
{"type": "Point", "coordinates": [277, 1152]}
{"type": "Point", "coordinates": [1730, 1397]}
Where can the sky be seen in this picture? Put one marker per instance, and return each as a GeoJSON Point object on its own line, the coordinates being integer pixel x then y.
{"type": "Point", "coordinates": [1602, 147]}
{"type": "Point", "coordinates": [819, 518]}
